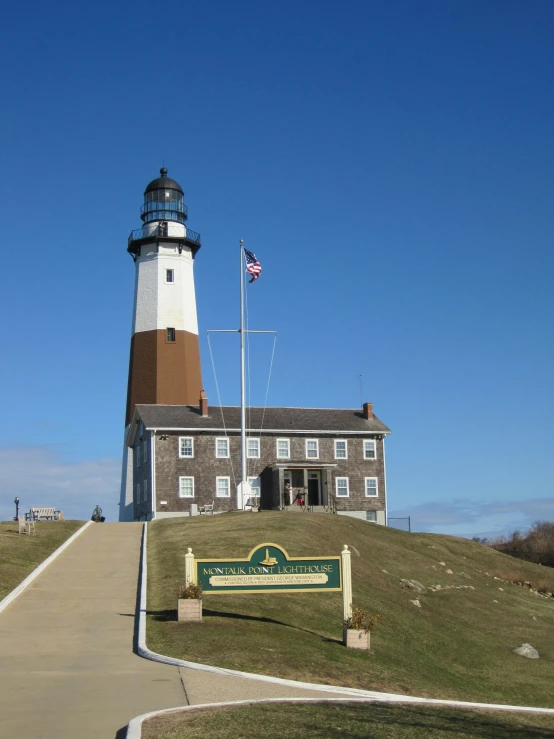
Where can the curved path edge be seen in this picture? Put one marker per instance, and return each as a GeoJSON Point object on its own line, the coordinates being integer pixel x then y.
{"type": "Point", "coordinates": [356, 694]}
{"type": "Point", "coordinates": [42, 566]}
{"type": "Point", "coordinates": [134, 728]}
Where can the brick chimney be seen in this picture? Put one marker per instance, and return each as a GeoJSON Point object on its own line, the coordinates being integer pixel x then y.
{"type": "Point", "coordinates": [368, 411]}
{"type": "Point", "coordinates": [203, 404]}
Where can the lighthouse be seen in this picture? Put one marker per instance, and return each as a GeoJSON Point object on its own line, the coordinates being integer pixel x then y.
{"type": "Point", "coordinates": [164, 363]}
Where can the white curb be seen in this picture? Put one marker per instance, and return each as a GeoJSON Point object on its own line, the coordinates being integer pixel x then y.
{"type": "Point", "coordinates": [361, 695]}
{"type": "Point", "coordinates": [36, 572]}
{"type": "Point", "coordinates": [134, 728]}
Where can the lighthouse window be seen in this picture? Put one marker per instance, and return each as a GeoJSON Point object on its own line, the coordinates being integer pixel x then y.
{"type": "Point", "coordinates": [171, 334]}
{"type": "Point", "coordinates": [169, 275]}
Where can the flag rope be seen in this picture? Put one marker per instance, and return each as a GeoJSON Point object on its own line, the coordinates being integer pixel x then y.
{"type": "Point", "coordinates": [221, 409]}
{"type": "Point", "coordinates": [249, 390]}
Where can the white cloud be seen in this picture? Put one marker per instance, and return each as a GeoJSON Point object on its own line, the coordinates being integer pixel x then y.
{"type": "Point", "coordinates": [39, 476]}
{"type": "Point", "coordinates": [465, 517]}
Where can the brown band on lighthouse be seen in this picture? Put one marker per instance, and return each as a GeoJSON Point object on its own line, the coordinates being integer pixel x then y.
{"type": "Point", "coordinates": [163, 372]}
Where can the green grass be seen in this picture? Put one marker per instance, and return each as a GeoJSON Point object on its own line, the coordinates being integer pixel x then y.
{"type": "Point", "coordinates": [21, 553]}
{"type": "Point", "coordinates": [458, 645]}
{"type": "Point", "coordinates": [356, 721]}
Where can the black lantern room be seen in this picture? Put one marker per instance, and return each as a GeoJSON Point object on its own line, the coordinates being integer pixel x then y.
{"type": "Point", "coordinates": [164, 204]}
{"type": "Point", "coordinates": [164, 200]}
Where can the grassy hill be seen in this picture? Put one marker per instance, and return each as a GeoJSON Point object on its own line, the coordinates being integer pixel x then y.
{"type": "Point", "coordinates": [458, 645]}
{"type": "Point", "coordinates": [21, 553]}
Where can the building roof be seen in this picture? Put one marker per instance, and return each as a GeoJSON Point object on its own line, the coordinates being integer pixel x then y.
{"type": "Point", "coordinates": [282, 420]}
{"type": "Point", "coordinates": [162, 183]}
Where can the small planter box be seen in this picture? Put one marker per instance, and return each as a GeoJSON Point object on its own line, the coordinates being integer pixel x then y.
{"type": "Point", "coordinates": [355, 638]}
{"type": "Point", "coordinates": [189, 609]}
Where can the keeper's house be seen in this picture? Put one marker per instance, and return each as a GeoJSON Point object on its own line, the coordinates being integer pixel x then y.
{"type": "Point", "coordinates": [185, 457]}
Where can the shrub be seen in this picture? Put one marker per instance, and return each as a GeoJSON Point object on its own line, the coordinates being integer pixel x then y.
{"type": "Point", "coordinates": [362, 620]}
{"type": "Point", "coordinates": [535, 546]}
{"type": "Point", "coordinates": [190, 591]}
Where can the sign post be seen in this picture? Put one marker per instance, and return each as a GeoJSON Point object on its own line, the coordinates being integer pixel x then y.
{"type": "Point", "coordinates": [346, 583]}
{"type": "Point", "coordinates": [189, 567]}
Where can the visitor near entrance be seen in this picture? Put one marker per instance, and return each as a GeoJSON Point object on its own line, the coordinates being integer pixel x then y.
{"type": "Point", "coordinates": [288, 494]}
{"type": "Point", "coordinates": [299, 499]}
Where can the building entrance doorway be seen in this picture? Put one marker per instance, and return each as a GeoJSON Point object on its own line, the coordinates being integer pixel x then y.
{"type": "Point", "coordinates": [314, 489]}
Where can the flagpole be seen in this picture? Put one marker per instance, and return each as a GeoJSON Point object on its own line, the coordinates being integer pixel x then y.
{"type": "Point", "coordinates": [240, 501]}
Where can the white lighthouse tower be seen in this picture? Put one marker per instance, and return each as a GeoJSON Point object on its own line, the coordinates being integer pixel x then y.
{"type": "Point", "coordinates": [164, 364]}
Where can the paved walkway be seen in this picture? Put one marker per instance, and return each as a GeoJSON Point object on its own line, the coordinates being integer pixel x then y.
{"type": "Point", "coordinates": [67, 667]}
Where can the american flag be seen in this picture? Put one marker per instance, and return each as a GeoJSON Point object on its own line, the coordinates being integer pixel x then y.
{"type": "Point", "coordinates": [253, 267]}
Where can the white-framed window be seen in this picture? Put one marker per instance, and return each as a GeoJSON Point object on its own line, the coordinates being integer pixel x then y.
{"type": "Point", "coordinates": [222, 447]}
{"type": "Point", "coordinates": [223, 487]}
{"type": "Point", "coordinates": [138, 492]}
{"type": "Point", "coordinates": [371, 516]}
{"type": "Point", "coordinates": [283, 448]}
{"type": "Point", "coordinates": [312, 449]}
{"type": "Point", "coordinates": [253, 448]}
{"type": "Point", "coordinates": [137, 454]}
{"type": "Point", "coordinates": [145, 490]}
{"type": "Point", "coordinates": [186, 487]}
{"type": "Point", "coordinates": [145, 450]}
{"type": "Point", "coordinates": [170, 275]}
{"type": "Point", "coordinates": [371, 490]}
{"type": "Point", "coordinates": [186, 446]}
{"type": "Point", "coordinates": [341, 487]}
{"type": "Point", "coordinates": [370, 449]}
{"type": "Point", "coordinates": [255, 485]}
{"type": "Point", "coordinates": [341, 449]}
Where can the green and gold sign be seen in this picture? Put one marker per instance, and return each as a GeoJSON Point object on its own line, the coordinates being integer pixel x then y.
{"type": "Point", "coordinates": [268, 569]}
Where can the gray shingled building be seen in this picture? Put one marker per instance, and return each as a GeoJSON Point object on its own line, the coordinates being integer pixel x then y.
{"type": "Point", "coordinates": [188, 457]}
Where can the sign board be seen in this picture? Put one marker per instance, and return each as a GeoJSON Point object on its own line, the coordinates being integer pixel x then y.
{"type": "Point", "coordinates": [268, 569]}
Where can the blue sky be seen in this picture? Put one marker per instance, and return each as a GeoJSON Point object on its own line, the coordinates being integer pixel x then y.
{"type": "Point", "coordinates": [390, 163]}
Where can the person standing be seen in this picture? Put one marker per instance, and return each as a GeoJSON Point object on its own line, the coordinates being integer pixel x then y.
{"type": "Point", "coordinates": [288, 494]}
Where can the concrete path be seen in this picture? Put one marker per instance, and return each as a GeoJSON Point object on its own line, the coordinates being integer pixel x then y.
{"type": "Point", "coordinates": [67, 667]}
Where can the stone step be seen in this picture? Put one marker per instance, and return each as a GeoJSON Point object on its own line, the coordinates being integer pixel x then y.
{"type": "Point", "coordinates": [302, 509]}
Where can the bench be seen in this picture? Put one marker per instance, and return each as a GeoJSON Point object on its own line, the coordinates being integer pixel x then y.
{"type": "Point", "coordinates": [43, 514]}
{"type": "Point", "coordinates": [26, 527]}
{"type": "Point", "coordinates": [208, 508]}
